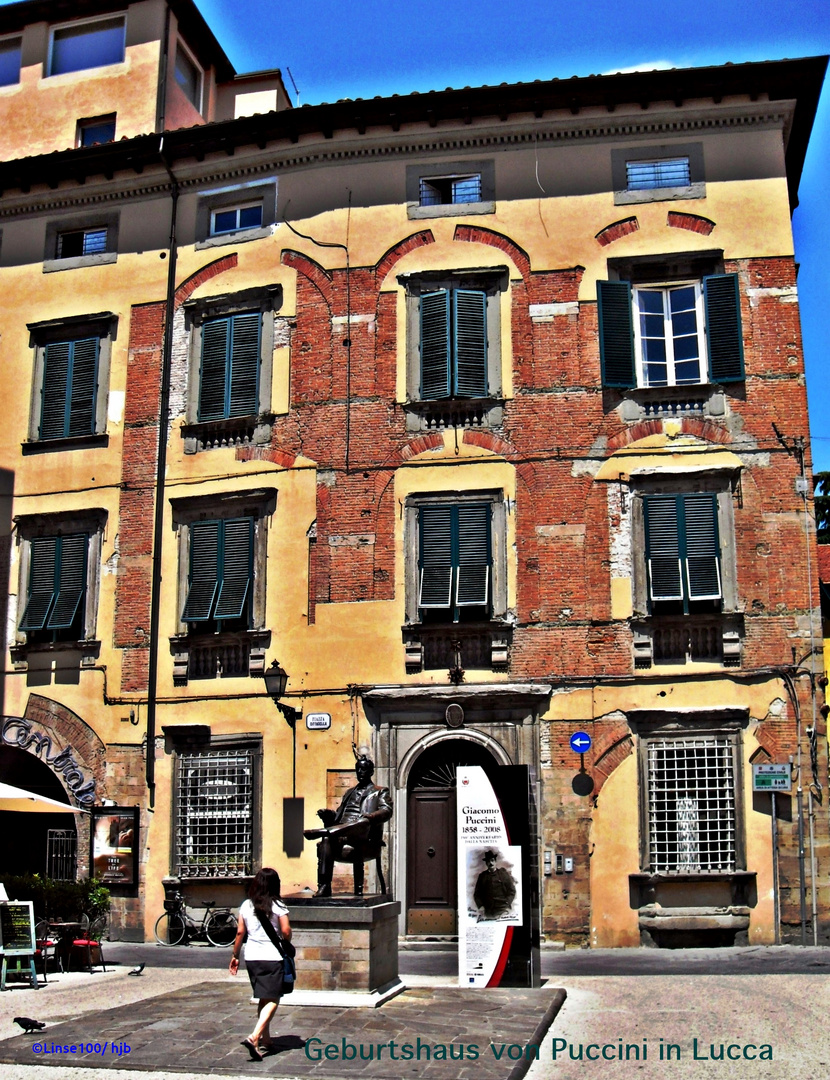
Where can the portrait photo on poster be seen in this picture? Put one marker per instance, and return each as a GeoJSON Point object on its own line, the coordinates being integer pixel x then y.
{"type": "Point", "coordinates": [494, 884]}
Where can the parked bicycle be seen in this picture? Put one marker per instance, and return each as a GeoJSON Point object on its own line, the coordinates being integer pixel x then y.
{"type": "Point", "coordinates": [176, 927]}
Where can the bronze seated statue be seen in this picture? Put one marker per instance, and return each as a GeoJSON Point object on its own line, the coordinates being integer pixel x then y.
{"type": "Point", "coordinates": [354, 832]}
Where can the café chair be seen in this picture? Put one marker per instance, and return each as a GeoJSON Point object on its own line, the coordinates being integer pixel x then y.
{"type": "Point", "coordinates": [90, 938]}
{"type": "Point", "coordinates": [46, 947]}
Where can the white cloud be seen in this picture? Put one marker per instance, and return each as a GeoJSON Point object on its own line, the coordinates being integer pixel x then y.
{"type": "Point", "coordinates": [653, 65]}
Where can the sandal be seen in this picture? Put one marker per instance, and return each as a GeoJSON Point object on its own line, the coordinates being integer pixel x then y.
{"type": "Point", "coordinates": [252, 1050]}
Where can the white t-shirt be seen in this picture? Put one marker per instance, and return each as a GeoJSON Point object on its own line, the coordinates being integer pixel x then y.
{"type": "Point", "coordinates": [259, 945]}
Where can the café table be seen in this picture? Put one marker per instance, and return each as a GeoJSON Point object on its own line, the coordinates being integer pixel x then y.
{"type": "Point", "coordinates": [66, 933]}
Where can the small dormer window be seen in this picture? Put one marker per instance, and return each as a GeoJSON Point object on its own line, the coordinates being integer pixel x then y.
{"type": "Point", "coordinates": [95, 130]}
{"type": "Point", "coordinates": [236, 218]}
{"type": "Point", "coordinates": [447, 190]}
{"type": "Point", "coordinates": [660, 173]}
{"type": "Point", "coordinates": [79, 242]}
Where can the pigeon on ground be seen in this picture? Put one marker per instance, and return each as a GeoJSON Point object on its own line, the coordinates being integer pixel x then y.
{"type": "Point", "coordinates": [137, 970]}
{"type": "Point", "coordinates": [28, 1024]}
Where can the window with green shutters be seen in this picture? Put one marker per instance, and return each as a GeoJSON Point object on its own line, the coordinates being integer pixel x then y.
{"type": "Point", "coordinates": [674, 334]}
{"type": "Point", "coordinates": [56, 588]}
{"type": "Point", "coordinates": [455, 559]}
{"type": "Point", "coordinates": [683, 552]}
{"type": "Point", "coordinates": [453, 344]}
{"type": "Point", "coordinates": [220, 578]}
{"type": "Point", "coordinates": [229, 375]}
{"type": "Point", "coordinates": [69, 388]}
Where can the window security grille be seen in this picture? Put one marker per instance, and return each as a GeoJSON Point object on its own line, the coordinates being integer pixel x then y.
{"type": "Point", "coordinates": [691, 795]}
{"type": "Point", "coordinates": [61, 849]}
{"type": "Point", "coordinates": [214, 814]}
{"type": "Point", "coordinates": [669, 172]}
{"type": "Point", "coordinates": [446, 190]}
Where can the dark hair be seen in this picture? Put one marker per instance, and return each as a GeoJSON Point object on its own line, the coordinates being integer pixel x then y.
{"type": "Point", "coordinates": [263, 889]}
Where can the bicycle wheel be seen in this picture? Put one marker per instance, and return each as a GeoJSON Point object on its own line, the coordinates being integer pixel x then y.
{"type": "Point", "coordinates": [220, 929]}
{"type": "Point", "coordinates": [170, 928]}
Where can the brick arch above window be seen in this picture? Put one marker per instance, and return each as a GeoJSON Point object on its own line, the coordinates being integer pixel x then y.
{"type": "Point", "coordinates": [313, 271]}
{"type": "Point", "coordinates": [206, 273]}
{"type": "Point", "coordinates": [474, 234]}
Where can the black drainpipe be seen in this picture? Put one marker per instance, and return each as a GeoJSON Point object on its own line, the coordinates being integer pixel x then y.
{"type": "Point", "coordinates": [161, 466]}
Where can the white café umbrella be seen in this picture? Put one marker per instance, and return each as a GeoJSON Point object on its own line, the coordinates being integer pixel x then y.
{"type": "Point", "coordinates": [15, 798]}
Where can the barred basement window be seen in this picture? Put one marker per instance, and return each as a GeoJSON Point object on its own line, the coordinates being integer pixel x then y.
{"type": "Point", "coordinates": [214, 814]}
{"type": "Point", "coordinates": [80, 242]}
{"type": "Point", "coordinates": [691, 805]}
{"type": "Point", "coordinates": [446, 190]}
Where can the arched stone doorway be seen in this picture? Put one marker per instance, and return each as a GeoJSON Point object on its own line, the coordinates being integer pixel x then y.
{"type": "Point", "coordinates": [36, 843]}
{"type": "Point", "coordinates": [431, 870]}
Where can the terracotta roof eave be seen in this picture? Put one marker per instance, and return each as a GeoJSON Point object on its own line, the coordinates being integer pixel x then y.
{"type": "Point", "coordinates": [779, 80]}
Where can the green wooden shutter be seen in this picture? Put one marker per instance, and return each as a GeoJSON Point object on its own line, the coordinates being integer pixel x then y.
{"type": "Point", "coordinates": [435, 345]}
{"type": "Point", "coordinates": [203, 580]}
{"type": "Point", "coordinates": [724, 337]}
{"type": "Point", "coordinates": [473, 555]}
{"type": "Point", "coordinates": [213, 377]}
{"type": "Point", "coordinates": [53, 392]}
{"type": "Point", "coordinates": [82, 394]}
{"type": "Point", "coordinates": [436, 561]}
{"type": "Point", "coordinates": [702, 547]}
{"type": "Point", "coordinates": [244, 373]}
{"type": "Point", "coordinates": [236, 561]}
{"type": "Point", "coordinates": [469, 308]}
{"type": "Point", "coordinates": [616, 334]}
{"type": "Point", "coordinates": [70, 580]}
{"type": "Point", "coordinates": [663, 547]}
{"type": "Point", "coordinates": [42, 558]}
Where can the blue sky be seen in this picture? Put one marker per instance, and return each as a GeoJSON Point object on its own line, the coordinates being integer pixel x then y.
{"type": "Point", "coordinates": [336, 49]}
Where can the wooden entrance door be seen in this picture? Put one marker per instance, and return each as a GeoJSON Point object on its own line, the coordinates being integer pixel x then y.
{"type": "Point", "coordinates": [431, 873]}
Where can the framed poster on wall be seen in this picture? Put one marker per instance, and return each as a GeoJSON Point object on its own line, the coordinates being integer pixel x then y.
{"type": "Point", "coordinates": [115, 844]}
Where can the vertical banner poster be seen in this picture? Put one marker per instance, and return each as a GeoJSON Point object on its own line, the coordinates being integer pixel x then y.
{"type": "Point", "coordinates": [493, 864]}
{"type": "Point", "coordinates": [115, 844]}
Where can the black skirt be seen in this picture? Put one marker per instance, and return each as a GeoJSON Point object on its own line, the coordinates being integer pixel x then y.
{"type": "Point", "coordinates": [266, 978]}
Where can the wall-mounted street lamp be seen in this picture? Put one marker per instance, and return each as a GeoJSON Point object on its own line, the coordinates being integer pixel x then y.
{"type": "Point", "coordinates": [276, 680]}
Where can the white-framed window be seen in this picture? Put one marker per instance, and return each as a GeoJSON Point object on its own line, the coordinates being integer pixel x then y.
{"type": "Point", "coordinates": [188, 76]}
{"type": "Point", "coordinates": [669, 339]}
{"type": "Point", "coordinates": [446, 190]}
{"type": "Point", "coordinates": [671, 333]}
{"type": "Point", "coordinates": [231, 219]}
{"type": "Point", "coordinates": [10, 56]}
{"type": "Point", "coordinates": [236, 215]}
{"type": "Point", "coordinates": [214, 818]}
{"type": "Point", "coordinates": [90, 44]}
{"type": "Point", "coordinates": [657, 173]}
{"type": "Point", "coordinates": [691, 803]}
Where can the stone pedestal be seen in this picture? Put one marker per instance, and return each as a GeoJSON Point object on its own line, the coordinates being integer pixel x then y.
{"type": "Point", "coordinates": [347, 950]}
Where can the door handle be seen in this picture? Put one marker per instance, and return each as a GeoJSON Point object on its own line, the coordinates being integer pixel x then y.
{"type": "Point", "coordinates": [431, 852]}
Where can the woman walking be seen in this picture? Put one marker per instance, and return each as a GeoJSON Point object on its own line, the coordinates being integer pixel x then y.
{"type": "Point", "coordinates": [262, 958]}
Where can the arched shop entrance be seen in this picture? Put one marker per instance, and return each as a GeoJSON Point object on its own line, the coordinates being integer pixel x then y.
{"type": "Point", "coordinates": [431, 872]}
{"type": "Point", "coordinates": [34, 842]}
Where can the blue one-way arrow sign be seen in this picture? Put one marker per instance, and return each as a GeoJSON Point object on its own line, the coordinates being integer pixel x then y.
{"type": "Point", "coordinates": [580, 742]}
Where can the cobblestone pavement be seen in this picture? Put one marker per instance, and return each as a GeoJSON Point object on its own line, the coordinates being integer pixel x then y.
{"type": "Point", "coordinates": [426, 1033]}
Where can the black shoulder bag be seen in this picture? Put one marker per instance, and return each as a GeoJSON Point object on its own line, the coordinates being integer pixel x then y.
{"type": "Point", "coordinates": [286, 951]}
